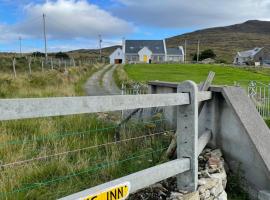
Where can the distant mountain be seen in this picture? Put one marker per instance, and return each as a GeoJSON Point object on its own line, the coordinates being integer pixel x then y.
{"type": "Point", "coordinates": [226, 41]}
{"type": "Point", "coordinates": [93, 52]}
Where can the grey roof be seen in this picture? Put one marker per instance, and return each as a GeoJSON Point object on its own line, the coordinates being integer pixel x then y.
{"type": "Point", "coordinates": [249, 53]}
{"type": "Point", "coordinates": [174, 51]}
{"type": "Point", "coordinates": [134, 46]}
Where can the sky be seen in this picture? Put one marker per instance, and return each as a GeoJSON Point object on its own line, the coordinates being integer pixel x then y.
{"type": "Point", "coordinates": [76, 24]}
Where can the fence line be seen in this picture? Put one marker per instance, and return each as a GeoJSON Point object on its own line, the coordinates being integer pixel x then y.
{"type": "Point", "coordinates": [186, 99]}
{"type": "Point", "coordinates": [50, 64]}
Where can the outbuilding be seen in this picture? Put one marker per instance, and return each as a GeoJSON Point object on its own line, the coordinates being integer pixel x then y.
{"type": "Point", "coordinates": [117, 57]}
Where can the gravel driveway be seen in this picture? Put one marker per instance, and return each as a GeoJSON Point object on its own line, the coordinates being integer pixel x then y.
{"type": "Point", "coordinates": [102, 82]}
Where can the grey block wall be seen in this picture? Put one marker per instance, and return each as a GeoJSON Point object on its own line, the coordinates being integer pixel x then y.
{"type": "Point", "coordinates": [238, 130]}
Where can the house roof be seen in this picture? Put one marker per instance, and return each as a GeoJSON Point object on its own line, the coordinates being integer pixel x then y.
{"type": "Point", "coordinates": [134, 46]}
{"type": "Point", "coordinates": [174, 51]}
{"type": "Point", "coordinates": [249, 53]}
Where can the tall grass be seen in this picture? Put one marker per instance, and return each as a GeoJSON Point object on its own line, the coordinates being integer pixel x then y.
{"type": "Point", "coordinates": [77, 145]}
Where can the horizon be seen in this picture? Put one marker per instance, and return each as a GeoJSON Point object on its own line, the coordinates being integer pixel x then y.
{"type": "Point", "coordinates": [76, 24]}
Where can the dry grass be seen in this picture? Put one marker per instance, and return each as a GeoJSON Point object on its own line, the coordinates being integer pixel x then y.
{"type": "Point", "coordinates": [71, 172]}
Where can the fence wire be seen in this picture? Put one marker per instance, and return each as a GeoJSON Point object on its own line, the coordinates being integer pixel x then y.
{"type": "Point", "coordinates": [141, 139]}
{"type": "Point", "coordinates": [21, 162]}
{"type": "Point", "coordinates": [87, 171]}
{"type": "Point", "coordinates": [58, 136]}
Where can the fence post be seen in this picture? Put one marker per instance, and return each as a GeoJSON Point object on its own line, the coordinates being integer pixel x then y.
{"type": "Point", "coordinates": [42, 65]}
{"type": "Point", "coordinates": [187, 136]}
{"type": "Point", "coordinates": [29, 65]}
{"type": "Point", "coordinates": [51, 63]}
{"type": "Point", "coordinates": [14, 67]}
{"type": "Point", "coordinates": [65, 66]}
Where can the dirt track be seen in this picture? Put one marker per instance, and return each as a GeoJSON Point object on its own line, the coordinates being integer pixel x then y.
{"type": "Point", "coordinates": [102, 82]}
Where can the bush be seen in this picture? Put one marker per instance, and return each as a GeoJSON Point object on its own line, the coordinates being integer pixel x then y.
{"type": "Point", "coordinates": [38, 54]}
{"type": "Point", "coordinates": [61, 55]}
{"type": "Point", "coordinates": [208, 53]}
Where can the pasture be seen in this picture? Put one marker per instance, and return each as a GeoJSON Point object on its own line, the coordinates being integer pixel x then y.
{"type": "Point", "coordinates": [225, 75]}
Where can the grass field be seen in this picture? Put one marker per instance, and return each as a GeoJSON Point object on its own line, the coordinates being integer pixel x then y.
{"type": "Point", "coordinates": [225, 75]}
{"type": "Point", "coordinates": [79, 166]}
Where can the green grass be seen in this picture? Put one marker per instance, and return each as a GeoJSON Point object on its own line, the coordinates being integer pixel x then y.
{"type": "Point", "coordinates": [59, 176]}
{"type": "Point", "coordinates": [120, 76]}
{"type": "Point", "coordinates": [225, 75]}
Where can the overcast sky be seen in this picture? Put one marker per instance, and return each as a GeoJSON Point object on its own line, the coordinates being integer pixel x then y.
{"type": "Point", "coordinates": [74, 24]}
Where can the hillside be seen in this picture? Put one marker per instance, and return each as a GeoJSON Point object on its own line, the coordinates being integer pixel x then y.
{"type": "Point", "coordinates": [89, 53]}
{"type": "Point", "coordinates": [226, 41]}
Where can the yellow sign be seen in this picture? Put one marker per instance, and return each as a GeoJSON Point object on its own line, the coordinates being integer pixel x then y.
{"type": "Point", "coordinates": [119, 192]}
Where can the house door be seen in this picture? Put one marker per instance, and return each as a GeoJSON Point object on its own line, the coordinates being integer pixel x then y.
{"type": "Point", "coordinates": [145, 58]}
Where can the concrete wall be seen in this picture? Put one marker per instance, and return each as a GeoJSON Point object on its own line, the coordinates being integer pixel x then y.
{"type": "Point", "coordinates": [238, 130]}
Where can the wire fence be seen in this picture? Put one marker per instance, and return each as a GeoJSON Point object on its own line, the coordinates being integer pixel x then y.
{"type": "Point", "coordinates": [31, 64]}
{"type": "Point", "coordinates": [34, 164]}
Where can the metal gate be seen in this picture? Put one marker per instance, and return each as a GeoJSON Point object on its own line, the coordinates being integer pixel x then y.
{"type": "Point", "coordinates": [260, 95]}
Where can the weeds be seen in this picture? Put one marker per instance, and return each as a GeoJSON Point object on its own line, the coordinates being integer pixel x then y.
{"type": "Point", "coordinates": [68, 153]}
{"type": "Point", "coordinates": [235, 187]}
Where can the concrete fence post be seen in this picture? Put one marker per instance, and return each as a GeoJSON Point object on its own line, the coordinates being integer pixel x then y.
{"type": "Point", "coordinates": [187, 136]}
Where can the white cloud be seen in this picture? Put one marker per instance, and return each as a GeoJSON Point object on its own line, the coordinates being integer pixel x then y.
{"type": "Point", "coordinates": [69, 19]}
{"type": "Point", "coordinates": [192, 13]}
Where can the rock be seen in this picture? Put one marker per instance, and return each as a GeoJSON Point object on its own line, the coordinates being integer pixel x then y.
{"type": "Point", "coordinates": [183, 191]}
{"type": "Point", "coordinates": [176, 196]}
{"type": "Point", "coordinates": [158, 187]}
{"type": "Point", "coordinates": [214, 162]}
{"type": "Point", "coordinates": [216, 153]}
{"type": "Point", "coordinates": [192, 196]}
{"type": "Point", "coordinates": [218, 189]}
{"type": "Point", "coordinates": [207, 194]}
{"type": "Point", "coordinates": [222, 176]}
{"type": "Point", "coordinates": [222, 196]}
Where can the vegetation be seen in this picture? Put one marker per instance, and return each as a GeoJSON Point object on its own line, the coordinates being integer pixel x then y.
{"type": "Point", "coordinates": [120, 76]}
{"type": "Point", "coordinates": [47, 84]}
{"type": "Point", "coordinates": [61, 55]}
{"type": "Point", "coordinates": [38, 54]}
{"type": "Point", "coordinates": [85, 158]}
{"type": "Point", "coordinates": [208, 53]}
{"type": "Point", "coordinates": [235, 187]}
{"type": "Point", "coordinates": [225, 75]}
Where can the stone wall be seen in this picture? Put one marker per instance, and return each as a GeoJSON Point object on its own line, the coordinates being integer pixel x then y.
{"type": "Point", "coordinates": [212, 182]}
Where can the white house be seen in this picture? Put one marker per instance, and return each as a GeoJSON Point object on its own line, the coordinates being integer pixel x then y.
{"type": "Point", "coordinates": [145, 55]}
{"type": "Point", "coordinates": [146, 51]}
{"type": "Point", "coordinates": [256, 55]}
{"type": "Point", "coordinates": [117, 57]}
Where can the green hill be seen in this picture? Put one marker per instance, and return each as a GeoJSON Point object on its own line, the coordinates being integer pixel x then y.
{"type": "Point", "coordinates": [226, 41]}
